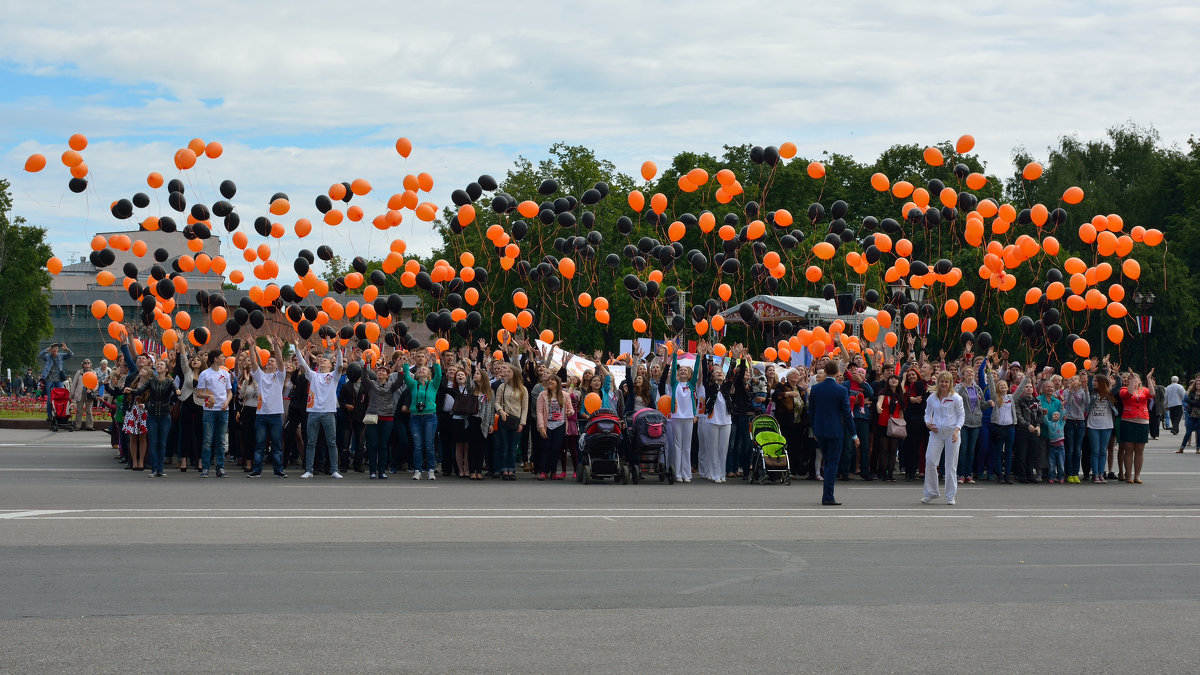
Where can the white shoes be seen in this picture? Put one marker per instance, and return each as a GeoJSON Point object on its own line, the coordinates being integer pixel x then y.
{"type": "Point", "coordinates": [306, 474]}
{"type": "Point", "coordinates": [432, 476]}
{"type": "Point", "coordinates": [416, 475]}
{"type": "Point", "coordinates": [336, 474]}
{"type": "Point", "coordinates": [926, 500]}
{"type": "Point", "coordinates": [949, 502]}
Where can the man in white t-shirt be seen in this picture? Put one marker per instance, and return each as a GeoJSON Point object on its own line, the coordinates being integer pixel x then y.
{"type": "Point", "coordinates": [269, 420]}
{"type": "Point", "coordinates": [215, 390]}
{"type": "Point", "coordinates": [322, 406]}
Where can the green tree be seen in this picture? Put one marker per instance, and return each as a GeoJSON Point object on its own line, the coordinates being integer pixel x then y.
{"type": "Point", "coordinates": [24, 286]}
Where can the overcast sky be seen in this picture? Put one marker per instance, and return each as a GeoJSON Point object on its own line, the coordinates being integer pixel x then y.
{"type": "Point", "coordinates": [303, 94]}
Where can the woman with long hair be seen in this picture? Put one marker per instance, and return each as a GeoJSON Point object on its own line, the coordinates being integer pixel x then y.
{"type": "Point", "coordinates": [464, 404]}
{"type": "Point", "coordinates": [553, 409]}
{"type": "Point", "coordinates": [512, 405]}
{"type": "Point", "coordinates": [187, 373]}
{"type": "Point", "coordinates": [916, 391]}
{"type": "Point", "coordinates": [423, 419]}
{"type": "Point", "coordinates": [135, 419]}
{"type": "Point", "coordinates": [1192, 420]}
{"type": "Point", "coordinates": [480, 422]}
{"type": "Point", "coordinates": [944, 417]}
{"type": "Point", "coordinates": [890, 404]}
{"type": "Point", "coordinates": [246, 409]}
{"type": "Point", "coordinates": [159, 393]}
{"type": "Point", "coordinates": [571, 440]}
{"type": "Point", "coordinates": [1099, 422]}
{"type": "Point", "coordinates": [1135, 424]}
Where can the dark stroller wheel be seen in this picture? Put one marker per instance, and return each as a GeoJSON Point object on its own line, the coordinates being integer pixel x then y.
{"type": "Point", "coordinates": [787, 478]}
{"type": "Point", "coordinates": [625, 472]}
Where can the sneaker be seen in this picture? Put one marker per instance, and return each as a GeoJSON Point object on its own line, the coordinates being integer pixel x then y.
{"type": "Point", "coordinates": [961, 480]}
{"type": "Point", "coordinates": [280, 474]}
{"type": "Point", "coordinates": [335, 474]}
{"type": "Point", "coordinates": [204, 473]}
{"type": "Point", "coordinates": [372, 476]}
{"type": "Point", "coordinates": [949, 502]}
{"type": "Point", "coordinates": [970, 481]}
{"type": "Point", "coordinates": [220, 473]}
{"type": "Point", "coordinates": [254, 474]}
{"type": "Point", "coordinates": [306, 474]}
{"type": "Point", "coordinates": [152, 475]}
{"type": "Point", "coordinates": [432, 476]}
{"type": "Point", "coordinates": [417, 475]}
{"type": "Point", "coordinates": [383, 476]}
{"type": "Point", "coordinates": [926, 500]}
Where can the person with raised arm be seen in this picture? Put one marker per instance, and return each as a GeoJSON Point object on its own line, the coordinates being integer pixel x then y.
{"type": "Point", "coordinates": [268, 421]}
{"type": "Point", "coordinates": [423, 411]}
{"type": "Point", "coordinates": [321, 407]}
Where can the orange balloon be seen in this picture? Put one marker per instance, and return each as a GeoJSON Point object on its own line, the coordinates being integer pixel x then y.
{"type": "Point", "coordinates": [933, 157]}
{"type": "Point", "coordinates": [602, 316]}
{"type": "Point", "coordinates": [658, 203]}
{"type": "Point", "coordinates": [637, 201]}
{"type": "Point", "coordinates": [1032, 171]}
{"type": "Point", "coordinates": [585, 300]}
{"type": "Point", "coordinates": [1083, 349]}
{"type": "Point", "coordinates": [1068, 370]}
{"type": "Point", "coordinates": [965, 144]}
{"type": "Point", "coordinates": [1115, 335]}
{"type": "Point", "coordinates": [904, 248]}
{"type": "Point", "coordinates": [824, 250]}
{"type": "Point", "coordinates": [976, 181]}
{"type": "Point", "coordinates": [718, 323]}
{"type": "Point", "coordinates": [601, 303]}
{"type": "Point", "coordinates": [639, 325]}
{"type": "Point", "coordinates": [35, 163]}
{"type": "Point", "coordinates": [1131, 269]}
{"type": "Point", "coordinates": [403, 147]}
{"type": "Point", "coordinates": [592, 402]}
{"type": "Point", "coordinates": [1073, 195]}
{"type": "Point", "coordinates": [880, 182]}
{"type": "Point", "coordinates": [816, 170]}
{"type": "Point", "coordinates": [1010, 316]}
{"type": "Point", "coordinates": [969, 324]}
{"type": "Point", "coordinates": [509, 321]}
{"type": "Point", "coordinates": [185, 159]}
{"type": "Point", "coordinates": [649, 171]}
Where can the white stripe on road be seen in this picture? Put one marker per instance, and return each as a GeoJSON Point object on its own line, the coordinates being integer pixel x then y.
{"type": "Point", "coordinates": [29, 514]}
{"type": "Point", "coordinates": [610, 514]}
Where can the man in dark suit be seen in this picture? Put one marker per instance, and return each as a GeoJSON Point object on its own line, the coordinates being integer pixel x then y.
{"type": "Point", "coordinates": [832, 420]}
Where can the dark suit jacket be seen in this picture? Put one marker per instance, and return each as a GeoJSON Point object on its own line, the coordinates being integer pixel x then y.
{"type": "Point", "coordinates": [829, 410]}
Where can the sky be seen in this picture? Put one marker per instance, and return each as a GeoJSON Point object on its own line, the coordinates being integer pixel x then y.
{"type": "Point", "coordinates": [304, 94]}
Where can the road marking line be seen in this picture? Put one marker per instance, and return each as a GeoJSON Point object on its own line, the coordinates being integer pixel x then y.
{"type": "Point", "coordinates": [29, 514]}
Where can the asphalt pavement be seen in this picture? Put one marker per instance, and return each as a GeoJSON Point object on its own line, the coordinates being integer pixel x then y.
{"type": "Point", "coordinates": [106, 570]}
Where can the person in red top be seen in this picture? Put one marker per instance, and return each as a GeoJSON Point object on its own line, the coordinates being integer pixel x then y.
{"type": "Point", "coordinates": [1135, 424]}
{"type": "Point", "coordinates": [890, 403]}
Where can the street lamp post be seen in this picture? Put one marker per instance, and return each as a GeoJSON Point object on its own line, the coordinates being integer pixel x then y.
{"type": "Point", "coordinates": [1144, 303]}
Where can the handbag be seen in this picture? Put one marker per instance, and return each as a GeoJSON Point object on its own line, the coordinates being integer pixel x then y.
{"type": "Point", "coordinates": [897, 428]}
{"type": "Point", "coordinates": [370, 418]}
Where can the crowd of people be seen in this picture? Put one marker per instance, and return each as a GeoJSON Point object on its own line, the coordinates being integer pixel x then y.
{"type": "Point", "coordinates": [474, 413]}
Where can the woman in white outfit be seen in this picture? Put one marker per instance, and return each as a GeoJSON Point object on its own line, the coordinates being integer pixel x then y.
{"type": "Point", "coordinates": [716, 421]}
{"type": "Point", "coordinates": [683, 416]}
{"type": "Point", "coordinates": [944, 415]}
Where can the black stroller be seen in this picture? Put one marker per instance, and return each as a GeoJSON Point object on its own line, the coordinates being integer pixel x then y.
{"type": "Point", "coordinates": [648, 446]}
{"type": "Point", "coordinates": [601, 446]}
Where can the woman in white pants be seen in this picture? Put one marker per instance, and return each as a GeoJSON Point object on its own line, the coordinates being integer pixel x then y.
{"type": "Point", "coordinates": [944, 415]}
{"type": "Point", "coordinates": [683, 416]}
{"type": "Point", "coordinates": [715, 423]}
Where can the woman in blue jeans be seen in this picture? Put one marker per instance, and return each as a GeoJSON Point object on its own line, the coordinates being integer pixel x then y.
{"type": "Point", "coordinates": [160, 393]}
{"type": "Point", "coordinates": [423, 413]}
{"type": "Point", "coordinates": [512, 405]}
{"type": "Point", "coordinates": [380, 409]}
{"type": "Point", "coordinates": [1100, 416]}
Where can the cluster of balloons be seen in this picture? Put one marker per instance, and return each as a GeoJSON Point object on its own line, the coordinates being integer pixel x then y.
{"type": "Point", "coordinates": [767, 233]}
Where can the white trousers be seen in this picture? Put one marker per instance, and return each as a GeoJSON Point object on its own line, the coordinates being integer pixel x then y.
{"type": "Point", "coordinates": [680, 456]}
{"type": "Point", "coordinates": [939, 441]}
{"type": "Point", "coordinates": [714, 448]}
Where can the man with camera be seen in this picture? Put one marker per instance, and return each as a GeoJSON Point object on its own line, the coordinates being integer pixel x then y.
{"type": "Point", "coordinates": [53, 360]}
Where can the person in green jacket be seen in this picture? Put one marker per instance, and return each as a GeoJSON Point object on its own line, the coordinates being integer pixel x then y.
{"type": "Point", "coordinates": [1050, 404]}
{"type": "Point", "coordinates": [423, 419]}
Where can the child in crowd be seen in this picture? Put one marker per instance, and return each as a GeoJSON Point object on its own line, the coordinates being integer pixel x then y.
{"type": "Point", "coordinates": [1055, 427]}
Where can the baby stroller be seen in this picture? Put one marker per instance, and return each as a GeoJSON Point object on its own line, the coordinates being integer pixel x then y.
{"type": "Point", "coordinates": [600, 447]}
{"type": "Point", "coordinates": [768, 454]}
{"type": "Point", "coordinates": [648, 446]}
{"type": "Point", "coordinates": [60, 403]}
